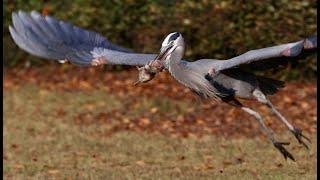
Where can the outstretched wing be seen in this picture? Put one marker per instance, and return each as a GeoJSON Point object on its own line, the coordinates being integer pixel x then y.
{"type": "Point", "coordinates": [271, 56]}
{"type": "Point", "coordinates": [49, 38]}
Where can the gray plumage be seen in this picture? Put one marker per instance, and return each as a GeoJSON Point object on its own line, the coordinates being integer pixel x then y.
{"type": "Point", "coordinates": [226, 81]}
{"type": "Point", "coordinates": [284, 50]}
{"type": "Point", "coordinates": [223, 80]}
{"type": "Point", "coordinates": [49, 38]}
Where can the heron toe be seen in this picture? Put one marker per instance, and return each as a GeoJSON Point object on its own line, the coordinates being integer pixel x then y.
{"type": "Point", "coordinates": [298, 134]}
{"type": "Point", "coordinates": [284, 152]}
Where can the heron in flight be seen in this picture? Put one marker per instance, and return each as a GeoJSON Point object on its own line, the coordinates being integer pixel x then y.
{"type": "Point", "coordinates": [221, 80]}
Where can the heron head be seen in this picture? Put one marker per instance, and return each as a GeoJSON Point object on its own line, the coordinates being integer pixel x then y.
{"type": "Point", "coordinates": [169, 44]}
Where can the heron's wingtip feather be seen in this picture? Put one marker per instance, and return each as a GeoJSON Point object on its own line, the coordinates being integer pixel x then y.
{"type": "Point", "coordinates": [310, 43]}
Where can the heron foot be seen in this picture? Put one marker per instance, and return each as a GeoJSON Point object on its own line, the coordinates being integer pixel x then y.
{"type": "Point", "coordinates": [284, 152]}
{"type": "Point", "coordinates": [298, 134]}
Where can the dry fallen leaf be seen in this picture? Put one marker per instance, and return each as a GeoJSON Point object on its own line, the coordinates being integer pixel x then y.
{"type": "Point", "coordinates": [153, 110]}
{"type": "Point", "coordinates": [141, 163]}
{"type": "Point", "coordinates": [226, 163]}
{"type": "Point", "coordinates": [145, 121]}
{"type": "Point", "coordinates": [297, 102]}
{"type": "Point", "coordinates": [18, 166]}
{"type": "Point", "coordinates": [176, 169]}
{"type": "Point", "coordinates": [53, 171]}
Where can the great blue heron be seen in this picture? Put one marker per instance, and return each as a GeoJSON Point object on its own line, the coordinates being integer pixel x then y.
{"type": "Point", "coordinates": [225, 81]}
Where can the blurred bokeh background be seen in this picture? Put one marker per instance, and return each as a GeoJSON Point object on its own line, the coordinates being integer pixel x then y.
{"type": "Point", "coordinates": [213, 29]}
{"type": "Point", "coordinates": [66, 122]}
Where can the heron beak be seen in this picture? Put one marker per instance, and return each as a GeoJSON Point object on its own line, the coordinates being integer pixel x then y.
{"type": "Point", "coordinates": [136, 83]}
{"type": "Point", "coordinates": [163, 52]}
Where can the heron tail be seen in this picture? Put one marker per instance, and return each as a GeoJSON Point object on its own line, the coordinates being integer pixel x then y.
{"type": "Point", "coordinates": [269, 86]}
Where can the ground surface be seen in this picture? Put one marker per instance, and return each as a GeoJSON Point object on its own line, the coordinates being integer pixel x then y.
{"type": "Point", "coordinates": [89, 123]}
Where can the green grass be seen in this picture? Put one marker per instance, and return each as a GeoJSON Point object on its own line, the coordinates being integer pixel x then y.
{"type": "Point", "coordinates": [42, 141]}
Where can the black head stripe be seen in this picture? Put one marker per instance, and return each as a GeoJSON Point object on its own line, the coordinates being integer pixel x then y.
{"type": "Point", "coordinates": [174, 36]}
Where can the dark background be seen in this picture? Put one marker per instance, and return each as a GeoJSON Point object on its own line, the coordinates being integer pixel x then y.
{"type": "Point", "coordinates": [212, 29]}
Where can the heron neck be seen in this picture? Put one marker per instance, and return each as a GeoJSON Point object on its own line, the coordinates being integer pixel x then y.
{"type": "Point", "coordinates": [175, 65]}
{"type": "Point", "coordinates": [175, 57]}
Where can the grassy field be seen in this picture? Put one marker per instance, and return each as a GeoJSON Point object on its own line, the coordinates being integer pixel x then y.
{"type": "Point", "coordinates": [43, 138]}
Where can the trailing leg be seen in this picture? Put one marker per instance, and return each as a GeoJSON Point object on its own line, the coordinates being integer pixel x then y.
{"type": "Point", "coordinates": [278, 145]}
{"type": "Point", "coordinates": [296, 131]}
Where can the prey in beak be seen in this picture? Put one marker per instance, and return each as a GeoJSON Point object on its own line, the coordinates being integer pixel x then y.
{"type": "Point", "coordinates": [148, 71]}
{"type": "Point", "coordinates": [145, 75]}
